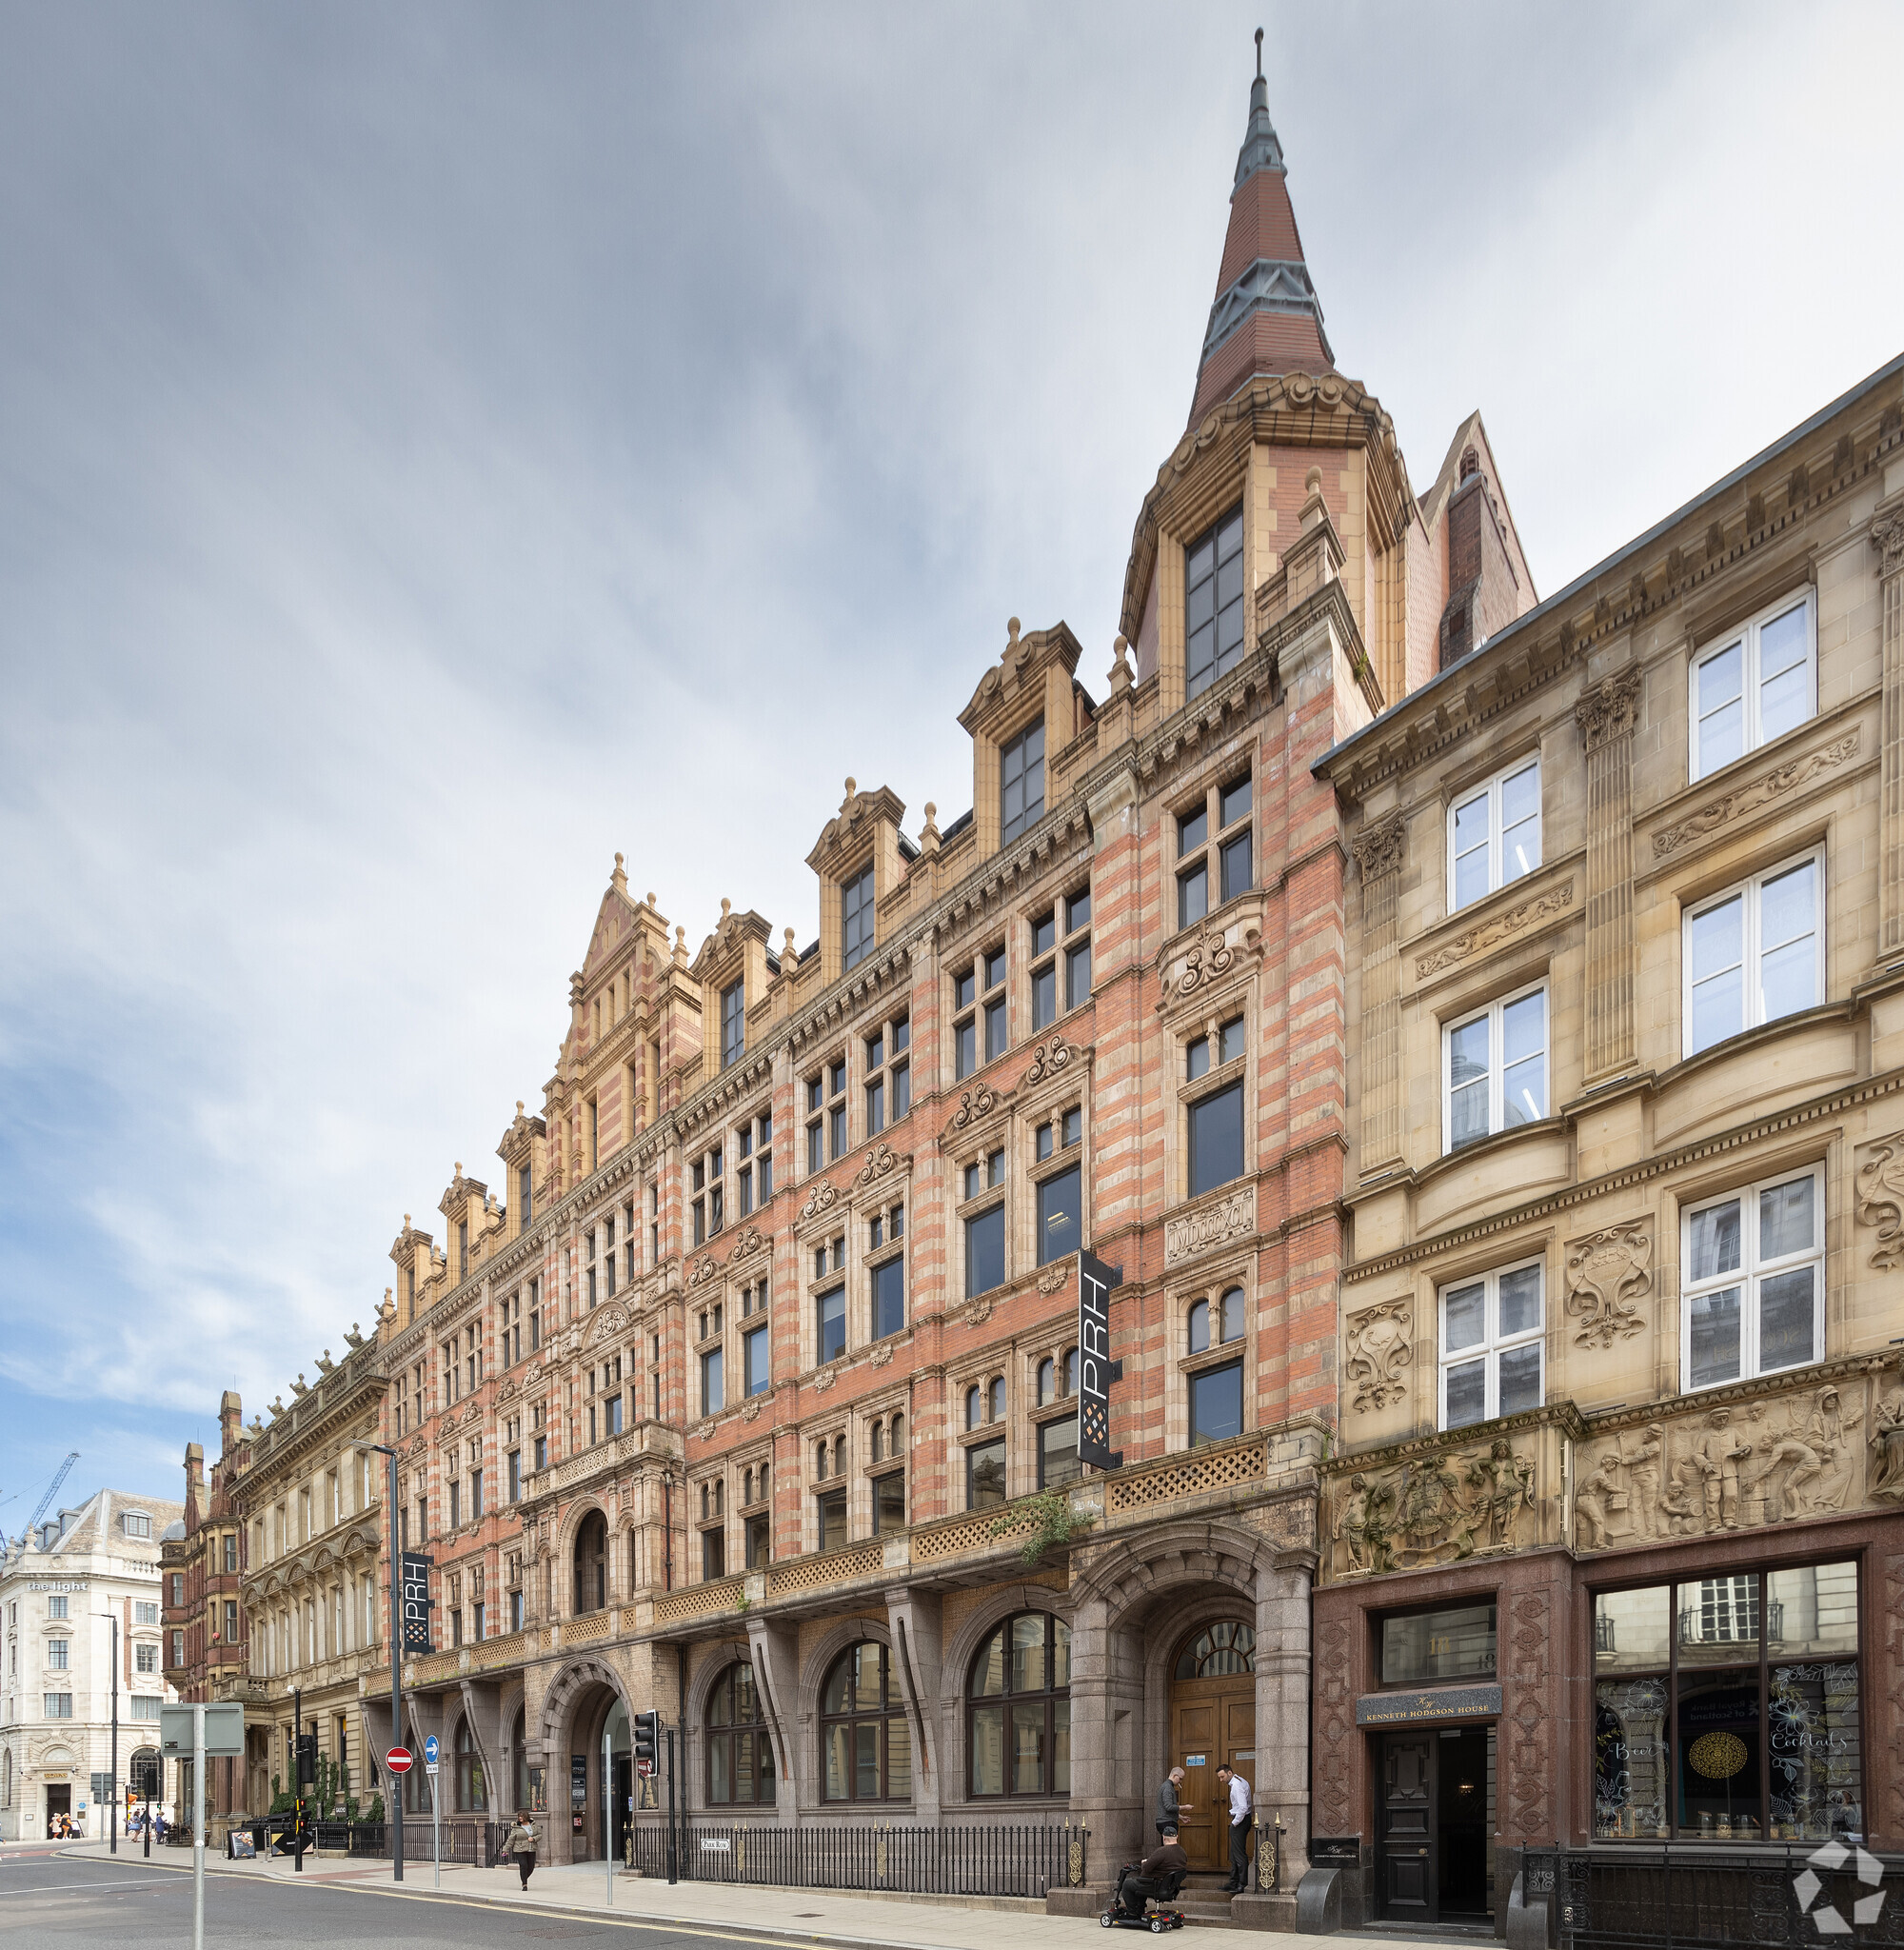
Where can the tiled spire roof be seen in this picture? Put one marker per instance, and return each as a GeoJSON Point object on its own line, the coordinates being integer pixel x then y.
{"type": "Point", "coordinates": [1266, 317]}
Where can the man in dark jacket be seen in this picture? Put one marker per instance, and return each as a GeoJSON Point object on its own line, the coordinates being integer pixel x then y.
{"type": "Point", "coordinates": [1169, 1809]}
{"type": "Point", "coordinates": [1153, 1876]}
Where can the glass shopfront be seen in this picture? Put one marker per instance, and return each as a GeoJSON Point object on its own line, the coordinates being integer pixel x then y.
{"type": "Point", "coordinates": [1726, 1708]}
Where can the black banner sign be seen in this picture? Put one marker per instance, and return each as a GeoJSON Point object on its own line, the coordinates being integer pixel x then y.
{"type": "Point", "coordinates": [1096, 1369]}
{"type": "Point", "coordinates": [1416, 1710]}
{"type": "Point", "coordinates": [417, 1603]}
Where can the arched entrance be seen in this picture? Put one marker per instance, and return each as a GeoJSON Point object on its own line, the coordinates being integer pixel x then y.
{"type": "Point", "coordinates": [585, 1702]}
{"type": "Point", "coordinates": [1212, 1724]}
{"type": "Point", "coordinates": [592, 1563]}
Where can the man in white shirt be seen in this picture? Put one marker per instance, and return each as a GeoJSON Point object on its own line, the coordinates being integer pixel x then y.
{"type": "Point", "coordinates": [1237, 1791]}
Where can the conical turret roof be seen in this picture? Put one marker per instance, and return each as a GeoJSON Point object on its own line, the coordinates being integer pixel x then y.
{"type": "Point", "coordinates": [1266, 317]}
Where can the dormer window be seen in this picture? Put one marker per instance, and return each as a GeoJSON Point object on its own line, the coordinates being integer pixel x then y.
{"type": "Point", "coordinates": [1213, 604]}
{"type": "Point", "coordinates": [1022, 780]}
{"type": "Point", "coordinates": [137, 1523]}
{"type": "Point", "coordinates": [733, 1023]}
{"type": "Point", "coordinates": [856, 901]}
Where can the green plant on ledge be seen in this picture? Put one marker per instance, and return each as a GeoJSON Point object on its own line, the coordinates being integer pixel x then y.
{"type": "Point", "coordinates": [743, 1604]}
{"type": "Point", "coordinates": [1054, 1524]}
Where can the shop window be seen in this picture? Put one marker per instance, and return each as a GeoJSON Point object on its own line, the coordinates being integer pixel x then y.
{"type": "Point", "coordinates": [1494, 834]}
{"type": "Point", "coordinates": [1756, 683]}
{"type": "Point", "coordinates": [740, 1750]}
{"type": "Point", "coordinates": [1492, 1346]}
{"type": "Point", "coordinates": [1753, 953]}
{"type": "Point", "coordinates": [1754, 1281]}
{"type": "Point", "coordinates": [865, 1747]}
{"type": "Point", "coordinates": [1424, 1645]}
{"type": "Point", "coordinates": [472, 1794]}
{"type": "Point", "coordinates": [1018, 1708]}
{"type": "Point", "coordinates": [1726, 1708]}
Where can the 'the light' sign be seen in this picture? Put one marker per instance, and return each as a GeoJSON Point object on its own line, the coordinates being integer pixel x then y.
{"type": "Point", "coordinates": [1096, 1369]}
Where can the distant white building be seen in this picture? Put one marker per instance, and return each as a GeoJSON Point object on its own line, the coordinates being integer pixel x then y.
{"type": "Point", "coordinates": [60, 1590]}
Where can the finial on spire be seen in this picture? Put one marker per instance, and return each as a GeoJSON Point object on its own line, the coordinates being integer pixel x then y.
{"type": "Point", "coordinates": [1259, 54]}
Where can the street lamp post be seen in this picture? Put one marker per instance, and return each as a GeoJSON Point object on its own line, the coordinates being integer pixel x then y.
{"type": "Point", "coordinates": [113, 1788]}
{"type": "Point", "coordinates": [396, 1780]}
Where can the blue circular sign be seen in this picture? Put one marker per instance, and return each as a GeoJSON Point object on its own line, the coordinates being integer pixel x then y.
{"type": "Point", "coordinates": [430, 1751]}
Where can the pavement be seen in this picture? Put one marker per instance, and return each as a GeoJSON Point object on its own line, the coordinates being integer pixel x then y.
{"type": "Point", "coordinates": [733, 1911]}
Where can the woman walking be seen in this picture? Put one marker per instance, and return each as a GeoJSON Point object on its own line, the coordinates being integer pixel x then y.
{"type": "Point", "coordinates": [521, 1843]}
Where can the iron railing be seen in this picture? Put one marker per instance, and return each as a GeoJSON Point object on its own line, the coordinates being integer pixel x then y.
{"type": "Point", "coordinates": [988, 1861]}
{"type": "Point", "coordinates": [1626, 1898]}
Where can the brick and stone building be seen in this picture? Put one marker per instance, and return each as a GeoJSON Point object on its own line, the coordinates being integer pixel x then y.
{"type": "Point", "coordinates": [1612, 1548]}
{"type": "Point", "coordinates": [747, 1397]}
{"type": "Point", "coordinates": [204, 1643]}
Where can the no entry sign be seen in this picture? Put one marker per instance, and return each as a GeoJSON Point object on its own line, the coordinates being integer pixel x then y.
{"type": "Point", "coordinates": [399, 1761]}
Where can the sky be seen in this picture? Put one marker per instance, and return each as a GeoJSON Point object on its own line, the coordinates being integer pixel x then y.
{"type": "Point", "coordinates": [443, 447]}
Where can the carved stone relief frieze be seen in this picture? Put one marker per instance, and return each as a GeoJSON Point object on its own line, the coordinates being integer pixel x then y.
{"type": "Point", "coordinates": [1438, 1508]}
{"type": "Point", "coordinates": [1733, 1467]}
{"type": "Point", "coordinates": [1231, 1218]}
{"type": "Point", "coordinates": [1749, 799]}
{"type": "Point", "coordinates": [1490, 934]}
{"type": "Point", "coordinates": [1608, 1274]}
{"type": "Point", "coordinates": [1380, 1348]}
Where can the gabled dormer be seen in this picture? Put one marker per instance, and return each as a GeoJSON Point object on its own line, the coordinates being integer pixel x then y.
{"type": "Point", "coordinates": [733, 971]}
{"type": "Point", "coordinates": [861, 858]}
{"type": "Point", "coordinates": [413, 1252]}
{"type": "Point", "coordinates": [466, 1214]}
{"type": "Point", "coordinates": [1026, 710]}
{"type": "Point", "coordinates": [524, 1152]}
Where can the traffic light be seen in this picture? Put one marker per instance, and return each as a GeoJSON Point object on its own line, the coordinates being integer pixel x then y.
{"type": "Point", "coordinates": [647, 1737]}
{"type": "Point", "coordinates": [307, 1760]}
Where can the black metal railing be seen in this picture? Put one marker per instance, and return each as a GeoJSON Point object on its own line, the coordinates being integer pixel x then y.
{"type": "Point", "coordinates": [1625, 1898]}
{"type": "Point", "coordinates": [990, 1861]}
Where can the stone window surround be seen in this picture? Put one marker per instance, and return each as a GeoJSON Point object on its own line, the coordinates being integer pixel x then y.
{"type": "Point", "coordinates": [1510, 987]}
{"type": "Point", "coordinates": [1472, 782]}
{"type": "Point", "coordinates": [972, 962]}
{"type": "Point", "coordinates": [1218, 778]}
{"type": "Point", "coordinates": [1749, 882]}
{"type": "Point", "coordinates": [1744, 621]}
{"type": "Point", "coordinates": [1210, 1283]}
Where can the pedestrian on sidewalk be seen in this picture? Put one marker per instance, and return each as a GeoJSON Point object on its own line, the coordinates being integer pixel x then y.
{"type": "Point", "coordinates": [1169, 1807]}
{"type": "Point", "coordinates": [1240, 1803]}
{"type": "Point", "coordinates": [521, 1843]}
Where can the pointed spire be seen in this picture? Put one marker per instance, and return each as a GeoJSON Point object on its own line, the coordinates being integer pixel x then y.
{"type": "Point", "coordinates": [1266, 317]}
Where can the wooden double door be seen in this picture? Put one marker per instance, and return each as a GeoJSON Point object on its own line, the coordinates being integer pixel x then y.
{"type": "Point", "coordinates": [1212, 1725]}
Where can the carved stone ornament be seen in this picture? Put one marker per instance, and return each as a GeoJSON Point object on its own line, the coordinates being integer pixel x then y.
{"type": "Point", "coordinates": [1379, 847]}
{"type": "Point", "coordinates": [1490, 934]}
{"type": "Point", "coordinates": [1204, 961]}
{"type": "Point", "coordinates": [750, 1242]}
{"type": "Point", "coordinates": [1609, 710]}
{"type": "Point", "coordinates": [1886, 1447]}
{"type": "Point", "coordinates": [825, 1379]}
{"type": "Point", "coordinates": [1608, 1274]}
{"type": "Point", "coordinates": [1381, 1348]}
{"type": "Point", "coordinates": [1761, 792]}
{"type": "Point", "coordinates": [704, 1432]}
{"type": "Point", "coordinates": [823, 1198]}
{"type": "Point", "coordinates": [1232, 1218]}
{"type": "Point", "coordinates": [705, 1269]}
{"type": "Point", "coordinates": [1051, 1278]}
{"type": "Point", "coordinates": [1887, 537]}
{"type": "Point", "coordinates": [1880, 1197]}
{"type": "Point", "coordinates": [750, 1408]}
{"type": "Point", "coordinates": [1437, 1509]}
{"type": "Point", "coordinates": [882, 1163]}
{"type": "Point", "coordinates": [974, 1105]}
{"type": "Point", "coordinates": [881, 1354]}
{"type": "Point", "coordinates": [979, 1311]}
{"type": "Point", "coordinates": [1047, 1060]}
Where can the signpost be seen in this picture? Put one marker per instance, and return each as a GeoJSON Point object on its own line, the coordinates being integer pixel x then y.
{"type": "Point", "coordinates": [215, 1730]}
{"type": "Point", "coordinates": [609, 1812]}
{"type": "Point", "coordinates": [435, 1808]}
{"type": "Point", "coordinates": [399, 1761]}
{"type": "Point", "coordinates": [1096, 1369]}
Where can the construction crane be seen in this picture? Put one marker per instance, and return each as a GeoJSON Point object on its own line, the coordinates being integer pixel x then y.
{"type": "Point", "coordinates": [52, 1490]}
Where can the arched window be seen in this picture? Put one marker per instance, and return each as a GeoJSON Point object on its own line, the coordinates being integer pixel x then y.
{"type": "Point", "coordinates": [899, 1435]}
{"type": "Point", "coordinates": [1047, 1381]}
{"type": "Point", "coordinates": [471, 1794]}
{"type": "Point", "coordinates": [822, 1450]}
{"type": "Point", "coordinates": [878, 1441]}
{"type": "Point", "coordinates": [592, 1563]}
{"type": "Point", "coordinates": [1071, 1371]}
{"type": "Point", "coordinates": [1471, 463]}
{"type": "Point", "coordinates": [998, 1392]}
{"type": "Point", "coordinates": [1216, 1650]}
{"type": "Point", "coordinates": [974, 1406]}
{"type": "Point", "coordinates": [740, 1753]}
{"type": "Point", "coordinates": [865, 1747]}
{"type": "Point", "coordinates": [1226, 1318]}
{"type": "Point", "coordinates": [1019, 1703]}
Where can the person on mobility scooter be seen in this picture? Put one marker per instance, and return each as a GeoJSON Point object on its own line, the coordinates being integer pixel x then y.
{"type": "Point", "coordinates": [1156, 1878]}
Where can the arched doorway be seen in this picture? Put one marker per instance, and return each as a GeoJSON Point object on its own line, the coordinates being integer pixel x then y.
{"type": "Point", "coordinates": [592, 1563]}
{"type": "Point", "coordinates": [585, 1702]}
{"type": "Point", "coordinates": [1212, 1724]}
